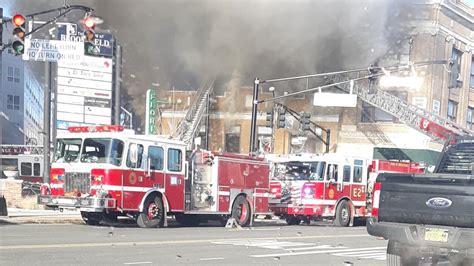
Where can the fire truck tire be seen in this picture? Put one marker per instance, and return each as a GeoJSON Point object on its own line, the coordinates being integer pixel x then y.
{"type": "Point", "coordinates": [92, 218]}
{"type": "Point", "coordinates": [343, 214]}
{"type": "Point", "coordinates": [241, 211]}
{"type": "Point", "coordinates": [152, 214]}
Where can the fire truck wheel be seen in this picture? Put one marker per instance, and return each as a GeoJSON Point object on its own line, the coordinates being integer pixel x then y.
{"type": "Point", "coordinates": [343, 214]}
{"type": "Point", "coordinates": [241, 211]}
{"type": "Point", "coordinates": [152, 214]}
{"type": "Point", "coordinates": [92, 218]}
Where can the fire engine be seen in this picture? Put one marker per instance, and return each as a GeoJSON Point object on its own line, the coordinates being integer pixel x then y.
{"type": "Point", "coordinates": [106, 172]}
{"type": "Point", "coordinates": [309, 187]}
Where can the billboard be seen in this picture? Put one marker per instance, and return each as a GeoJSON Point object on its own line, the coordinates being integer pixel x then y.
{"type": "Point", "coordinates": [85, 86]}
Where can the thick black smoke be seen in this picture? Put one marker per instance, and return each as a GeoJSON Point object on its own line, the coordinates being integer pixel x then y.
{"type": "Point", "coordinates": [181, 43]}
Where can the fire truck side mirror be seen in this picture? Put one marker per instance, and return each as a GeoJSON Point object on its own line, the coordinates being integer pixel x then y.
{"type": "Point", "coordinates": [133, 153]}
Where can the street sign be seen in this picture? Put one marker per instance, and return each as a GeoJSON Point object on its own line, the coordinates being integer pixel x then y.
{"type": "Point", "coordinates": [334, 99]}
{"type": "Point", "coordinates": [71, 32]}
{"type": "Point", "coordinates": [52, 51]}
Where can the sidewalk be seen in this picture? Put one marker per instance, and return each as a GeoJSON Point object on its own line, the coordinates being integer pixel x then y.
{"type": "Point", "coordinates": [23, 216]}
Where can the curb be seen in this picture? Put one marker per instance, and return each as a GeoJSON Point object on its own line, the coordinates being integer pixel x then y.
{"type": "Point", "coordinates": [41, 220]}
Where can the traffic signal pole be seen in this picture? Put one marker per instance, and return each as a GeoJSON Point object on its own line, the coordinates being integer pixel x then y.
{"type": "Point", "coordinates": [253, 128]}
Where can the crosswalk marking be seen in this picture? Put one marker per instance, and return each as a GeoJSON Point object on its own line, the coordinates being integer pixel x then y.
{"type": "Point", "coordinates": [304, 248]}
{"type": "Point", "coordinates": [312, 252]}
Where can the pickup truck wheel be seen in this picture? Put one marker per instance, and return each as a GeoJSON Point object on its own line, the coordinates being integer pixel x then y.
{"type": "Point", "coordinates": [153, 214]}
{"type": "Point", "coordinates": [399, 258]}
{"type": "Point", "coordinates": [343, 214]}
{"type": "Point", "coordinates": [241, 211]}
{"type": "Point", "coordinates": [92, 218]}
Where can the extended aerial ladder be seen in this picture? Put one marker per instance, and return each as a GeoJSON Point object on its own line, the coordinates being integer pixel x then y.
{"type": "Point", "coordinates": [188, 127]}
{"type": "Point", "coordinates": [436, 127]}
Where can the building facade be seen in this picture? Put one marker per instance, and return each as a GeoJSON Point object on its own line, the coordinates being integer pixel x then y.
{"type": "Point", "coordinates": [443, 29]}
{"type": "Point", "coordinates": [22, 102]}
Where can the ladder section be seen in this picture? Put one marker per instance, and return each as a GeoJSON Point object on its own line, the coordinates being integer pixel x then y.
{"type": "Point", "coordinates": [438, 128]}
{"type": "Point", "coordinates": [188, 127]}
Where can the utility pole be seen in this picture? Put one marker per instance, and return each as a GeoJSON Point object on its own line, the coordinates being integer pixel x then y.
{"type": "Point", "coordinates": [117, 83]}
{"type": "Point", "coordinates": [47, 123]}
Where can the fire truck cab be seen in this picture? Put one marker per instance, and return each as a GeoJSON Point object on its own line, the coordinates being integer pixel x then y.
{"type": "Point", "coordinates": [107, 172]}
{"type": "Point", "coordinates": [311, 187]}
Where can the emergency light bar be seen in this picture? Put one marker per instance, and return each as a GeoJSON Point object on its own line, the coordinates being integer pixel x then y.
{"type": "Point", "coordinates": [89, 129]}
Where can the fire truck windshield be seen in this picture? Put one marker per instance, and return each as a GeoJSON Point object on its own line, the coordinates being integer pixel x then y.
{"type": "Point", "coordinates": [303, 171]}
{"type": "Point", "coordinates": [90, 150]}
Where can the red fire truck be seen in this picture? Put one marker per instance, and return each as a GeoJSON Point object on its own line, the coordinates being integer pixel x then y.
{"type": "Point", "coordinates": [310, 187]}
{"type": "Point", "coordinates": [108, 172]}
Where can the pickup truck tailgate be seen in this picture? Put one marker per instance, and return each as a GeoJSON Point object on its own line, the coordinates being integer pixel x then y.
{"type": "Point", "coordinates": [438, 199]}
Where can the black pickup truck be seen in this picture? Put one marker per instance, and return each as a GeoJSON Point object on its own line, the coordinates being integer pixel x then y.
{"type": "Point", "coordinates": [428, 217]}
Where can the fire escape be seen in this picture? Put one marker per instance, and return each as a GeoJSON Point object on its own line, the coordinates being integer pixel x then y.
{"type": "Point", "coordinates": [189, 126]}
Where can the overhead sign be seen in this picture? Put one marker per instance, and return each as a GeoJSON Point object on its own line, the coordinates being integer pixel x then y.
{"type": "Point", "coordinates": [53, 50]}
{"type": "Point", "coordinates": [334, 99]}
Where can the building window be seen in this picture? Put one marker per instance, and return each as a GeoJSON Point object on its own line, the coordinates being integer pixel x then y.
{"type": "Point", "coordinates": [17, 75]}
{"type": "Point", "coordinates": [470, 111]}
{"type": "Point", "coordinates": [452, 110]}
{"type": "Point", "coordinates": [10, 74]}
{"type": "Point", "coordinates": [16, 102]}
{"type": "Point", "coordinates": [471, 83]}
{"type": "Point", "coordinates": [9, 101]}
{"type": "Point", "coordinates": [454, 77]}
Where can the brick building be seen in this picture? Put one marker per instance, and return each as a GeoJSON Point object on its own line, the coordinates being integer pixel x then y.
{"type": "Point", "coordinates": [444, 29]}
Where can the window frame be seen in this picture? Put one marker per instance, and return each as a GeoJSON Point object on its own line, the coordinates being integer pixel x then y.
{"type": "Point", "coordinates": [169, 160]}
{"type": "Point", "coordinates": [160, 148]}
{"type": "Point", "coordinates": [140, 150]}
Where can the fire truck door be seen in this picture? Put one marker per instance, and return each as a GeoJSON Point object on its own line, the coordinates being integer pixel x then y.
{"type": "Point", "coordinates": [134, 177]}
{"type": "Point", "coordinates": [174, 178]}
{"type": "Point", "coordinates": [155, 167]}
{"type": "Point", "coordinates": [331, 193]}
{"type": "Point", "coordinates": [359, 181]}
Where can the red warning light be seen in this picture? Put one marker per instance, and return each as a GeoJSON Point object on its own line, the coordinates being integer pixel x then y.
{"type": "Point", "coordinates": [18, 20]}
{"type": "Point", "coordinates": [89, 23]}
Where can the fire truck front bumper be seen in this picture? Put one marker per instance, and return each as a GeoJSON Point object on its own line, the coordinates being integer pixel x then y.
{"type": "Point", "coordinates": [306, 210]}
{"type": "Point", "coordinates": [77, 202]}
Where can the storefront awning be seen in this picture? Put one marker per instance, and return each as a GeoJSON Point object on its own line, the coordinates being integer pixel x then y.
{"type": "Point", "coordinates": [429, 157]}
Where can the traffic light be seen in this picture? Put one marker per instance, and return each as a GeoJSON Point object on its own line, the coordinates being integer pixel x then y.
{"type": "Point", "coordinates": [305, 121]}
{"type": "Point", "coordinates": [269, 119]}
{"type": "Point", "coordinates": [281, 118]}
{"type": "Point", "coordinates": [18, 44]}
{"type": "Point", "coordinates": [89, 36]}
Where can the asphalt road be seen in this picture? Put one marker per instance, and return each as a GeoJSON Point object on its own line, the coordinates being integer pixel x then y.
{"type": "Point", "coordinates": [267, 243]}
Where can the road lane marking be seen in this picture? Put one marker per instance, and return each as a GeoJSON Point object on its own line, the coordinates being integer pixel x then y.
{"type": "Point", "coordinates": [206, 259]}
{"type": "Point", "coordinates": [313, 252]}
{"type": "Point", "coordinates": [358, 253]}
{"type": "Point", "coordinates": [138, 262]}
{"type": "Point", "coordinates": [315, 247]}
{"type": "Point", "coordinates": [373, 256]}
{"type": "Point", "coordinates": [159, 243]}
